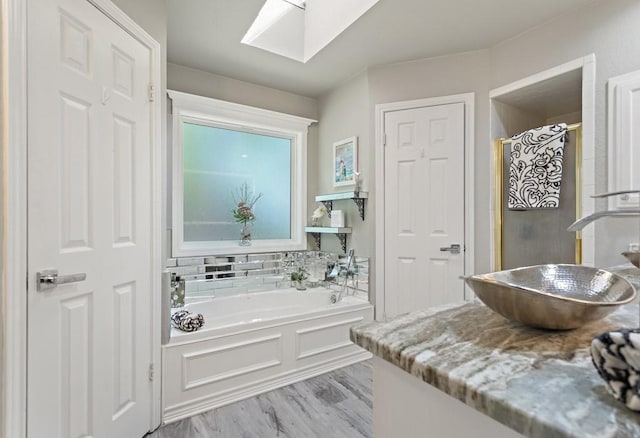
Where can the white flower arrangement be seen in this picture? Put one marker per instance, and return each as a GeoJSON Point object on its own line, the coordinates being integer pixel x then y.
{"type": "Point", "coordinates": [318, 214]}
{"type": "Point", "coordinates": [245, 200]}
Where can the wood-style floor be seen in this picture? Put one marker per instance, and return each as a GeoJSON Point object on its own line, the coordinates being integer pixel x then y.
{"type": "Point", "coordinates": [337, 404]}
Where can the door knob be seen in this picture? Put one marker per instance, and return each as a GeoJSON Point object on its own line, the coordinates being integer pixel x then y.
{"type": "Point", "coordinates": [453, 249]}
{"type": "Point", "coordinates": [49, 279]}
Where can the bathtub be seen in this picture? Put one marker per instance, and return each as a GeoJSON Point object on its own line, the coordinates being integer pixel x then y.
{"type": "Point", "coordinates": [255, 342]}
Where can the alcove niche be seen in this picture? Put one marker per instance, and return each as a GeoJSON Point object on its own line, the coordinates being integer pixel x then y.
{"type": "Point", "coordinates": [563, 94]}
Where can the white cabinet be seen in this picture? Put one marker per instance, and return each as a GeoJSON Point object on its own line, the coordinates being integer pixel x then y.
{"type": "Point", "coordinates": [624, 139]}
{"type": "Point", "coordinates": [404, 406]}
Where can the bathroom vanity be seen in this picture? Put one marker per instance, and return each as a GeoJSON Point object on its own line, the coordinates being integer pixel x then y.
{"type": "Point", "coordinates": [462, 370]}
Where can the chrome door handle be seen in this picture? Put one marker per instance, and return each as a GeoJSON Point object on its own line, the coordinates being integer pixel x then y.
{"type": "Point", "coordinates": [453, 249]}
{"type": "Point", "coordinates": [49, 279]}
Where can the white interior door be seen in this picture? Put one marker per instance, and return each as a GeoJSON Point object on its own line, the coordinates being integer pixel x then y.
{"type": "Point", "coordinates": [89, 211]}
{"type": "Point", "coordinates": [424, 207]}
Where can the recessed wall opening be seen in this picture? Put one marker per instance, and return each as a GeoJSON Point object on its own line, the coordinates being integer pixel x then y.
{"type": "Point", "coordinates": [563, 94]}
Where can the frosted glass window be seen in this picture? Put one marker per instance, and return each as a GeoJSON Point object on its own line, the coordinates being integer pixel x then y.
{"type": "Point", "coordinates": [216, 162]}
{"type": "Point", "coordinates": [217, 147]}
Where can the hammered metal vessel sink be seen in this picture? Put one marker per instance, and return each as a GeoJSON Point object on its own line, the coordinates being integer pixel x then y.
{"type": "Point", "coordinates": [557, 297]}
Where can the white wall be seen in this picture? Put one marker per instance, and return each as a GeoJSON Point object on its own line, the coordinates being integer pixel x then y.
{"type": "Point", "coordinates": [343, 114]}
{"type": "Point", "coordinates": [463, 73]}
{"type": "Point", "coordinates": [190, 80]}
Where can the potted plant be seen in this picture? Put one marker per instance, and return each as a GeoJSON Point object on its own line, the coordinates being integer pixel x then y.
{"type": "Point", "coordinates": [299, 276]}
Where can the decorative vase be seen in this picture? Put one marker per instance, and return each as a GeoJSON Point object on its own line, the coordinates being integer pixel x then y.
{"type": "Point", "coordinates": [300, 285]}
{"type": "Point", "coordinates": [245, 235]}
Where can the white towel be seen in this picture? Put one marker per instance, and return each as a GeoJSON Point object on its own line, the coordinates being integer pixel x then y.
{"type": "Point", "coordinates": [536, 167]}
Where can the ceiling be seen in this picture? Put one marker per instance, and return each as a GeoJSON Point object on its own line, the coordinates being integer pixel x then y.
{"type": "Point", "coordinates": [206, 34]}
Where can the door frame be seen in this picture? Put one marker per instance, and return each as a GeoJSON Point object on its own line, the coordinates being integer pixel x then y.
{"type": "Point", "coordinates": [14, 205]}
{"type": "Point", "coordinates": [468, 99]}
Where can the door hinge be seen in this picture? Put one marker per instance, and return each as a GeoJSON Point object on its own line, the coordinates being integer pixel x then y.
{"type": "Point", "coordinates": [384, 139]}
{"type": "Point", "coordinates": [151, 372]}
{"type": "Point", "coordinates": [152, 93]}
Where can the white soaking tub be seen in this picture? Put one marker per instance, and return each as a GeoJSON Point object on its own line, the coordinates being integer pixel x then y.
{"type": "Point", "coordinates": [256, 342]}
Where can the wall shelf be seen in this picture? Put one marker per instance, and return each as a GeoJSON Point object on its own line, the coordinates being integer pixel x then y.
{"type": "Point", "coordinates": [340, 232]}
{"type": "Point", "coordinates": [357, 197]}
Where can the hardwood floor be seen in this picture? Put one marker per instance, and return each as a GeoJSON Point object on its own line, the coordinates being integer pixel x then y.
{"type": "Point", "coordinates": [337, 404]}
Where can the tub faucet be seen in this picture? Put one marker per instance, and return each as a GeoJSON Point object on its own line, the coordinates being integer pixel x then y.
{"type": "Point", "coordinates": [335, 273]}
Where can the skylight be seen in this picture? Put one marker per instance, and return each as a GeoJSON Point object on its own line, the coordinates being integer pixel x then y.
{"type": "Point", "coordinates": [272, 12]}
{"type": "Point", "coordinates": [299, 29]}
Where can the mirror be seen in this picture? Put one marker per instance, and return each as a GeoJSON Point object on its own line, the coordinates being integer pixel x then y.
{"type": "Point", "coordinates": [226, 154]}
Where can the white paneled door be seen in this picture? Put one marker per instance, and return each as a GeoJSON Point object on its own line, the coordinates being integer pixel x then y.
{"type": "Point", "coordinates": [424, 207]}
{"type": "Point", "coordinates": [89, 210]}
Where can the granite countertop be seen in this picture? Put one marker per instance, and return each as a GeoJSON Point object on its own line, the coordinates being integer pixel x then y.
{"type": "Point", "coordinates": [537, 382]}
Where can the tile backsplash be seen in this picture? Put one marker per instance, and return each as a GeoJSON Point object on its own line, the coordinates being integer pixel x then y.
{"type": "Point", "coordinates": [215, 276]}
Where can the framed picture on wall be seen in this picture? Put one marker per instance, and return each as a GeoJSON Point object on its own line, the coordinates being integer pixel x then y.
{"type": "Point", "coordinates": [345, 161]}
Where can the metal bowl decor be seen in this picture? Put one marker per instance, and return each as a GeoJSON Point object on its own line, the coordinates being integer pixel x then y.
{"type": "Point", "coordinates": [556, 297]}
